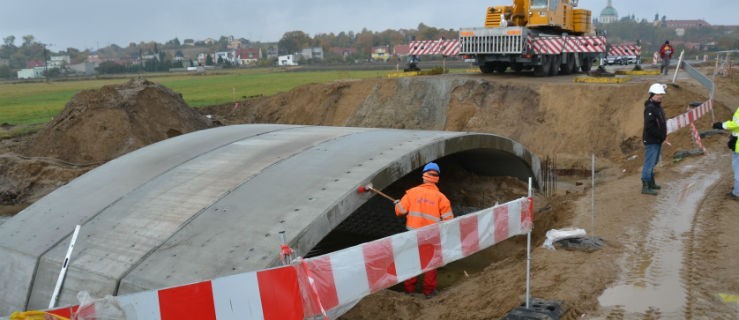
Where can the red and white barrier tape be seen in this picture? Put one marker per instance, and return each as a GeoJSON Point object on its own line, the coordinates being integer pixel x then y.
{"type": "Point", "coordinates": [332, 283]}
{"type": "Point", "coordinates": [685, 119]}
{"type": "Point", "coordinates": [696, 137]}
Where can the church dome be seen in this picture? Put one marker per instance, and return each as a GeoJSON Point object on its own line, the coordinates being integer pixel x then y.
{"type": "Point", "coordinates": [609, 12]}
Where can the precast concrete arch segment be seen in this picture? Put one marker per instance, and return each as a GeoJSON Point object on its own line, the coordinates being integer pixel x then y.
{"type": "Point", "coordinates": [47, 223]}
{"type": "Point", "coordinates": [212, 203]}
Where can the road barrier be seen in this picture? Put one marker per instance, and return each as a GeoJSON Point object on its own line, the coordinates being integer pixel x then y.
{"type": "Point", "coordinates": [326, 286]}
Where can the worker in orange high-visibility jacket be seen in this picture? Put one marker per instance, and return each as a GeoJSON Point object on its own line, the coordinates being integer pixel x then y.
{"type": "Point", "coordinates": [424, 205]}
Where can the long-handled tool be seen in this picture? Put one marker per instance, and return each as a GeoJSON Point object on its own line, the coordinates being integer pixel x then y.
{"type": "Point", "coordinates": [369, 187]}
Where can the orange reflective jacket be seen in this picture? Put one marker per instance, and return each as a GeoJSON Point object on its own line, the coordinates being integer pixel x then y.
{"type": "Point", "coordinates": [424, 205]}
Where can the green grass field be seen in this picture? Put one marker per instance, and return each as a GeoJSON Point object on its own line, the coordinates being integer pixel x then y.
{"type": "Point", "coordinates": [26, 107]}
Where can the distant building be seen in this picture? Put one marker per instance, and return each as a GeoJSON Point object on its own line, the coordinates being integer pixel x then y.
{"type": "Point", "coordinates": [58, 61]}
{"type": "Point", "coordinates": [315, 53]}
{"type": "Point", "coordinates": [85, 68]}
{"type": "Point", "coordinates": [234, 43]}
{"type": "Point", "coordinates": [150, 57]}
{"type": "Point", "coordinates": [188, 42]}
{"type": "Point", "coordinates": [343, 52]}
{"type": "Point", "coordinates": [34, 63]}
{"type": "Point", "coordinates": [225, 57]}
{"type": "Point", "coordinates": [287, 60]}
{"type": "Point", "coordinates": [709, 46]}
{"type": "Point", "coordinates": [381, 53]}
{"type": "Point", "coordinates": [685, 44]}
{"type": "Point", "coordinates": [272, 51]}
{"type": "Point", "coordinates": [31, 73]}
{"type": "Point", "coordinates": [402, 50]}
{"type": "Point", "coordinates": [249, 55]}
{"type": "Point", "coordinates": [94, 58]}
{"type": "Point", "coordinates": [686, 24]}
{"type": "Point", "coordinates": [609, 14]}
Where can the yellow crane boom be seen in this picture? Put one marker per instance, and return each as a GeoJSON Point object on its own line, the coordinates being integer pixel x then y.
{"type": "Point", "coordinates": [553, 16]}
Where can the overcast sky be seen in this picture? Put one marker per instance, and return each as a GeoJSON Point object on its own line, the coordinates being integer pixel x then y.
{"type": "Point", "coordinates": [88, 24]}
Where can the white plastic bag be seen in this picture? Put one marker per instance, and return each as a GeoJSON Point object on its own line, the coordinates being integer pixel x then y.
{"type": "Point", "coordinates": [555, 235]}
{"type": "Point", "coordinates": [98, 309]}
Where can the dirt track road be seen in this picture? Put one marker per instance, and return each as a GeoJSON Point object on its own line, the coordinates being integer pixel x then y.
{"type": "Point", "coordinates": [678, 262]}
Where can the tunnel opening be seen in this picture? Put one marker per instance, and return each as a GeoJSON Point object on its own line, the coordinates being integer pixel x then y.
{"type": "Point", "coordinates": [472, 180]}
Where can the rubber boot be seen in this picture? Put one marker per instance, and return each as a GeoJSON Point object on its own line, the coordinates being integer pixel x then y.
{"type": "Point", "coordinates": [646, 189]}
{"type": "Point", "coordinates": [654, 185]}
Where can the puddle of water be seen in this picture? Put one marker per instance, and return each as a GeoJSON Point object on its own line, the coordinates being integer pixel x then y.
{"type": "Point", "coordinates": [652, 279]}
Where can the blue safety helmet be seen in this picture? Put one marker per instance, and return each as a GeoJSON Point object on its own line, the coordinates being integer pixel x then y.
{"type": "Point", "coordinates": [431, 166]}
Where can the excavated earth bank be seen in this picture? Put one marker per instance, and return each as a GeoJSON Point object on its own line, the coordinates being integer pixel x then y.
{"type": "Point", "coordinates": [95, 126]}
{"type": "Point", "coordinates": [555, 118]}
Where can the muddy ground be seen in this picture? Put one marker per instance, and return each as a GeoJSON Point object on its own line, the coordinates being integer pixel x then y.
{"type": "Point", "coordinates": [672, 256]}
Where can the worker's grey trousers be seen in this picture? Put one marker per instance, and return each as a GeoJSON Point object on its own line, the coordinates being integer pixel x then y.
{"type": "Point", "coordinates": [665, 65]}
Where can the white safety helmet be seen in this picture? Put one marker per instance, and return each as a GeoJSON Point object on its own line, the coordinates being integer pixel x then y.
{"type": "Point", "coordinates": [657, 88]}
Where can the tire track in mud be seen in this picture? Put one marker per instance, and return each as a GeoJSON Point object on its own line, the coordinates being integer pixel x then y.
{"type": "Point", "coordinates": [656, 282]}
{"type": "Point", "coordinates": [709, 241]}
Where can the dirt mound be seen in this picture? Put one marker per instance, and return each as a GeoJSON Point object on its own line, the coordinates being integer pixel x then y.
{"type": "Point", "coordinates": [94, 127]}
{"type": "Point", "coordinates": [101, 124]}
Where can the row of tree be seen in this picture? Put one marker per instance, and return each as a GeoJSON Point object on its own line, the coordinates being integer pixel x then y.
{"type": "Point", "coordinates": [18, 56]}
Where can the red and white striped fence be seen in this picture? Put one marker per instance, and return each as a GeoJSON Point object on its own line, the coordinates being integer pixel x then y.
{"type": "Point", "coordinates": [435, 47]}
{"type": "Point", "coordinates": [328, 285]}
{"type": "Point", "coordinates": [685, 119]}
{"type": "Point", "coordinates": [626, 49]}
{"type": "Point", "coordinates": [540, 45]}
{"type": "Point", "coordinates": [558, 44]}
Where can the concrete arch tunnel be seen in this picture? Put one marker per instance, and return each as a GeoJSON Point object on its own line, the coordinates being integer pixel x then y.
{"type": "Point", "coordinates": [212, 203]}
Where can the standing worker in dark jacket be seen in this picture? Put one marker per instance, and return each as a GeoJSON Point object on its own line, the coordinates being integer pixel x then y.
{"type": "Point", "coordinates": [424, 205]}
{"type": "Point", "coordinates": [654, 134]}
{"type": "Point", "coordinates": [732, 126]}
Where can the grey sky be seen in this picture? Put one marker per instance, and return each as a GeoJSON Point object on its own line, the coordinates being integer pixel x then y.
{"type": "Point", "coordinates": [88, 24]}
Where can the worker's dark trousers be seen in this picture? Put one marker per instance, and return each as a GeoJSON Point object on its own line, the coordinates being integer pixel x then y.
{"type": "Point", "coordinates": [665, 65]}
{"type": "Point", "coordinates": [429, 283]}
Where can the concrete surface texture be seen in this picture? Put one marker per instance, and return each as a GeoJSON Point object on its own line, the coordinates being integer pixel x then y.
{"type": "Point", "coordinates": [212, 203]}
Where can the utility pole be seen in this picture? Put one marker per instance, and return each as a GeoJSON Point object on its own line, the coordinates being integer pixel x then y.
{"type": "Point", "coordinates": [46, 61]}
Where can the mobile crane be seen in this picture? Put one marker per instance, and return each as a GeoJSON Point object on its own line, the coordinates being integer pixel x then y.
{"type": "Point", "coordinates": [548, 36]}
